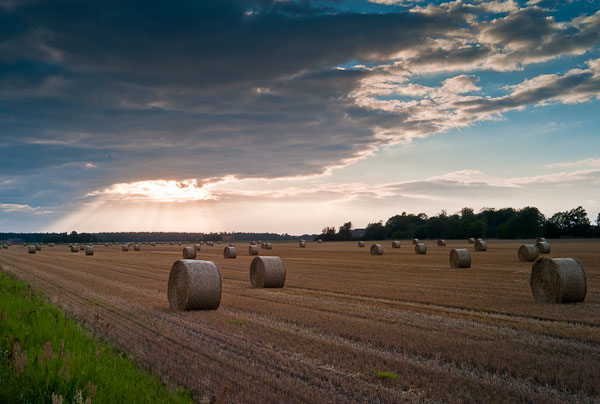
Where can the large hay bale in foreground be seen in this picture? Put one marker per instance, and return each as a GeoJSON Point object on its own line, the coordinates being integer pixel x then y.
{"type": "Point", "coordinates": [543, 247]}
{"type": "Point", "coordinates": [460, 258]}
{"type": "Point", "coordinates": [253, 249]}
{"type": "Point", "coordinates": [480, 245]}
{"type": "Point", "coordinates": [376, 249]}
{"type": "Point", "coordinates": [229, 252]}
{"type": "Point", "coordinates": [189, 253]}
{"type": "Point", "coordinates": [420, 248]}
{"type": "Point", "coordinates": [558, 280]}
{"type": "Point", "coordinates": [471, 240]}
{"type": "Point", "coordinates": [441, 243]}
{"type": "Point", "coordinates": [361, 243]}
{"type": "Point", "coordinates": [89, 250]}
{"type": "Point", "coordinates": [31, 249]}
{"type": "Point", "coordinates": [197, 247]}
{"type": "Point", "coordinates": [125, 247]}
{"type": "Point", "coordinates": [194, 285]}
{"type": "Point", "coordinates": [74, 249]}
{"type": "Point", "coordinates": [267, 272]}
{"type": "Point", "coordinates": [136, 247]}
{"type": "Point", "coordinates": [302, 244]}
{"type": "Point", "coordinates": [395, 244]}
{"type": "Point", "coordinates": [528, 253]}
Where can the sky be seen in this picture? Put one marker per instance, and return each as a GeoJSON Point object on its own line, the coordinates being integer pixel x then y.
{"type": "Point", "coordinates": [289, 116]}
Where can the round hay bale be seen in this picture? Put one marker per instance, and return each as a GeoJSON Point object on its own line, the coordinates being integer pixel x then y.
{"type": "Point", "coordinates": [253, 249]}
{"type": "Point", "coordinates": [189, 253]}
{"type": "Point", "coordinates": [528, 253]}
{"type": "Point", "coordinates": [136, 247]}
{"type": "Point", "coordinates": [558, 280]}
{"type": "Point", "coordinates": [81, 247]}
{"type": "Point", "coordinates": [125, 247]}
{"type": "Point", "coordinates": [361, 243]}
{"type": "Point", "coordinates": [471, 240]}
{"type": "Point", "coordinates": [74, 249]}
{"type": "Point", "coordinates": [194, 285]}
{"type": "Point", "coordinates": [415, 241]}
{"type": "Point", "coordinates": [460, 258]}
{"type": "Point", "coordinates": [89, 250]}
{"type": "Point", "coordinates": [267, 246]}
{"type": "Point", "coordinates": [395, 244]}
{"type": "Point", "coordinates": [253, 243]}
{"type": "Point", "coordinates": [229, 252]}
{"type": "Point", "coordinates": [38, 247]}
{"type": "Point", "coordinates": [219, 242]}
{"type": "Point", "coordinates": [540, 240]}
{"type": "Point", "coordinates": [50, 244]}
{"type": "Point", "coordinates": [5, 246]}
{"type": "Point", "coordinates": [197, 247]}
{"type": "Point", "coordinates": [441, 243]}
{"type": "Point", "coordinates": [480, 245]}
{"type": "Point", "coordinates": [267, 272]}
{"type": "Point", "coordinates": [231, 245]}
{"type": "Point", "coordinates": [302, 244]}
{"type": "Point", "coordinates": [259, 242]}
{"type": "Point", "coordinates": [420, 248]}
{"type": "Point", "coordinates": [31, 249]}
{"type": "Point", "coordinates": [543, 247]}
{"type": "Point", "coordinates": [376, 249]}
{"type": "Point", "coordinates": [105, 244]}
{"type": "Point", "coordinates": [179, 243]}
{"type": "Point", "coordinates": [319, 241]}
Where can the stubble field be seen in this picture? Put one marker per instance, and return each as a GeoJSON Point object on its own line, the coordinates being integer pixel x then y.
{"type": "Point", "coordinates": [450, 335]}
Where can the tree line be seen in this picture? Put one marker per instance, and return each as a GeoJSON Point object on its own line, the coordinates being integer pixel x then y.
{"type": "Point", "coordinates": [506, 223]}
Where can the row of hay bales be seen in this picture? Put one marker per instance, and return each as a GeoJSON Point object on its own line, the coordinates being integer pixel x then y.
{"type": "Point", "coordinates": [197, 284]}
{"type": "Point", "coordinates": [530, 252]}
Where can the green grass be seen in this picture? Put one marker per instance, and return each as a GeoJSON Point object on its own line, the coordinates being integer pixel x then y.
{"type": "Point", "coordinates": [387, 376]}
{"type": "Point", "coordinates": [236, 322]}
{"type": "Point", "coordinates": [44, 353]}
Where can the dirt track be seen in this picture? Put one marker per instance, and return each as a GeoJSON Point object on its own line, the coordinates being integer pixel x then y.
{"type": "Point", "coordinates": [451, 335]}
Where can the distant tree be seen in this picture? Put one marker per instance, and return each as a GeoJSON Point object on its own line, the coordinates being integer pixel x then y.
{"type": "Point", "coordinates": [375, 231]}
{"type": "Point", "coordinates": [345, 232]}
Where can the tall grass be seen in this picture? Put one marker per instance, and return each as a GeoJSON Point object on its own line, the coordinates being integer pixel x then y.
{"type": "Point", "coordinates": [46, 357]}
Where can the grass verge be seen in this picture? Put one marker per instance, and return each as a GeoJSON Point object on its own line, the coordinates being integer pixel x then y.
{"type": "Point", "coordinates": [46, 357]}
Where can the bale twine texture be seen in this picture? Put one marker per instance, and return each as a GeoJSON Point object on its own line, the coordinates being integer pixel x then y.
{"type": "Point", "coordinates": [361, 243]}
{"type": "Point", "coordinates": [480, 245]}
{"type": "Point", "coordinates": [31, 249]}
{"type": "Point", "coordinates": [253, 249]}
{"type": "Point", "coordinates": [376, 249]}
{"type": "Point", "coordinates": [528, 253]}
{"type": "Point", "coordinates": [558, 280]}
{"type": "Point", "coordinates": [194, 285]}
{"type": "Point", "coordinates": [89, 250]}
{"type": "Point", "coordinates": [471, 240]}
{"type": "Point", "coordinates": [441, 243]}
{"type": "Point", "coordinates": [197, 247]}
{"type": "Point", "coordinates": [125, 247]}
{"type": "Point", "coordinates": [189, 253]}
{"type": "Point", "coordinates": [460, 258]}
{"type": "Point", "coordinates": [395, 244]}
{"type": "Point", "coordinates": [229, 252]}
{"type": "Point", "coordinates": [420, 248]}
{"type": "Point", "coordinates": [267, 272]}
{"type": "Point", "coordinates": [543, 247]}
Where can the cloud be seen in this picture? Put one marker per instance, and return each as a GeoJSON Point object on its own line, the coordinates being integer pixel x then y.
{"type": "Point", "coordinates": [592, 162]}
{"type": "Point", "coordinates": [19, 208]}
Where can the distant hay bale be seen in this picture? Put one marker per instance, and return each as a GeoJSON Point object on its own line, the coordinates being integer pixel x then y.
{"type": "Point", "coordinates": [31, 249]}
{"type": "Point", "coordinates": [153, 244]}
{"type": "Point", "coordinates": [441, 243]}
{"type": "Point", "coordinates": [267, 246]}
{"type": "Point", "coordinates": [194, 285]}
{"type": "Point", "coordinates": [460, 258]}
{"type": "Point", "coordinates": [259, 242]}
{"type": "Point", "coordinates": [38, 247]}
{"type": "Point", "coordinates": [231, 244]}
{"type": "Point", "coordinates": [253, 249]}
{"type": "Point", "coordinates": [136, 247]}
{"type": "Point", "coordinates": [219, 242]}
{"type": "Point", "coordinates": [105, 244]}
{"type": "Point", "coordinates": [210, 243]}
{"type": "Point", "coordinates": [319, 241]}
{"type": "Point", "coordinates": [201, 242]}
{"type": "Point", "coordinates": [179, 243]}
{"type": "Point", "coordinates": [81, 247]}
{"type": "Point", "coordinates": [376, 249]}
{"type": "Point", "coordinates": [302, 243]}
{"type": "Point", "coordinates": [543, 247]}
{"type": "Point", "coordinates": [229, 252]}
{"type": "Point", "coordinates": [5, 246]}
{"type": "Point", "coordinates": [471, 240]}
{"type": "Point", "coordinates": [89, 250]}
{"type": "Point", "coordinates": [415, 241]}
{"type": "Point", "coordinates": [361, 243]}
{"type": "Point", "coordinates": [125, 247]}
{"type": "Point", "coordinates": [74, 249]}
{"type": "Point", "coordinates": [197, 247]}
{"type": "Point", "coordinates": [480, 245]}
{"type": "Point", "coordinates": [540, 240]}
{"type": "Point", "coordinates": [528, 253]}
{"type": "Point", "coordinates": [267, 272]}
{"type": "Point", "coordinates": [395, 244]}
{"type": "Point", "coordinates": [50, 244]}
{"type": "Point", "coordinates": [420, 248]}
{"type": "Point", "coordinates": [558, 280]}
{"type": "Point", "coordinates": [189, 253]}
{"type": "Point", "coordinates": [253, 242]}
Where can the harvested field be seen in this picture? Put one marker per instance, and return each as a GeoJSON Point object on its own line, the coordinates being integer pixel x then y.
{"type": "Point", "coordinates": [344, 316]}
